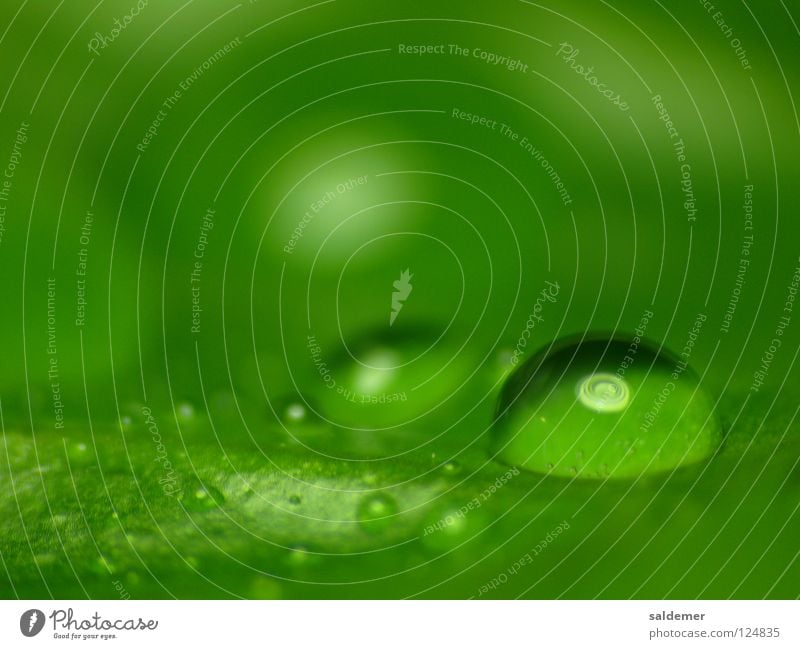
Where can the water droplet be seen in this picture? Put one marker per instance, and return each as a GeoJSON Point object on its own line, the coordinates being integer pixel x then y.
{"type": "Point", "coordinates": [376, 512]}
{"type": "Point", "coordinates": [593, 396]}
{"type": "Point", "coordinates": [294, 412]}
{"type": "Point", "coordinates": [451, 468]}
{"type": "Point", "coordinates": [201, 498]}
{"type": "Point", "coordinates": [185, 412]}
{"type": "Point", "coordinates": [79, 453]}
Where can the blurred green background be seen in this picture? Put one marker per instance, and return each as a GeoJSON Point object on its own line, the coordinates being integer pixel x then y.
{"type": "Point", "coordinates": [201, 453]}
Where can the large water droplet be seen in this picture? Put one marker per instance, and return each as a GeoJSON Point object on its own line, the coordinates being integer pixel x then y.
{"type": "Point", "coordinates": [604, 409]}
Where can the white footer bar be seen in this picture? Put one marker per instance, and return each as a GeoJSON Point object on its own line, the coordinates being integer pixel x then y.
{"type": "Point", "coordinates": [400, 624]}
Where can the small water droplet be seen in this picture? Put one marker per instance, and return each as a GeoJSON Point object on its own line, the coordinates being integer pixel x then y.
{"type": "Point", "coordinates": [594, 396]}
{"type": "Point", "coordinates": [79, 453]}
{"type": "Point", "coordinates": [376, 512]}
{"type": "Point", "coordinates": [185, 412]}
{"type": "Point", "coordinates": [451, 468]}
{"type": "Point", "coordinates": [201, 498]}
{"type": "Point", "coordinates": [294, 413]}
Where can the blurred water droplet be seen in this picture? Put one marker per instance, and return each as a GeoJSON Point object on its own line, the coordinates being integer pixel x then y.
{"type": "Point", "coordinates": [451, 468]}
{"type": "Point", "coordinates": [376, 512]}
{"type": "Point", "coordinates": [294, 412]}
{"type": "Point", "coordinates": [386, 383]}
{"type": "Point", "coordinates": [79, 453]}
{"type": "Point", "coordinates": [185, 412]}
